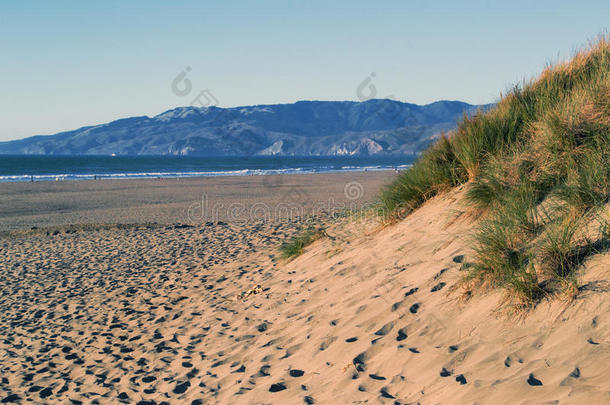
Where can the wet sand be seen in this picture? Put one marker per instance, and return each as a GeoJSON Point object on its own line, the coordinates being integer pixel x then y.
{"type": "Point", "coordinates": [185, 200]}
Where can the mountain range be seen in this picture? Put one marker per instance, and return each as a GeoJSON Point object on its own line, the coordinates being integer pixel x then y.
{"type": "Point", "coordinates": [378, 126]}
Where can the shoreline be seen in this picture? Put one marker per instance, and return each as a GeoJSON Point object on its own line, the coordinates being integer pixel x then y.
{"type": "Point", "coordinates": [54, 168]}
{"type": "Point", "coordinates": [27, 178]}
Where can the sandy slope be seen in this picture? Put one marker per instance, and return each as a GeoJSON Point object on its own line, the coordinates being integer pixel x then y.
{"type": "Point", "coordinates": [375, 321]}
{"type": "Point", "coordinates": [365, 316]}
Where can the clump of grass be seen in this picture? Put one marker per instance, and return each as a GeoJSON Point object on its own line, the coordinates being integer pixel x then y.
{"type": "Point", "coordinates": [501, 240]}
{"type": "Point", "coordinates": [559, 250]}
{"type": "Point", "coordinates": [537, 165]}
{"type": "Point", "coordinates": [435, 171]}
{"type": "Point", "coordinates": [587, 185]}
{"type": "Point", "coordinates": [295, 246]}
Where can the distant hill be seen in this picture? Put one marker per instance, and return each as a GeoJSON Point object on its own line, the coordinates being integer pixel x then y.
{"type": "Point", "coordinates": [303, 128]}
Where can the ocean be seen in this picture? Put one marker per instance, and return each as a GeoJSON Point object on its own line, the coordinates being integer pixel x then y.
{"type": "Point", "coordinates": [59, 168]}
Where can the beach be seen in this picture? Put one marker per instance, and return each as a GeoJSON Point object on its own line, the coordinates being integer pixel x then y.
{"type": "Point", "coordinates": [121, 297]}
{"type": "Point", "coordinates": [183, 200]}
{"type": "Point", "coordinates": [91, 270]}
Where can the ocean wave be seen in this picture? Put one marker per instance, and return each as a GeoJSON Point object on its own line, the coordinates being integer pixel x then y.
{"type": "Point", "coordinates": [185, 174]}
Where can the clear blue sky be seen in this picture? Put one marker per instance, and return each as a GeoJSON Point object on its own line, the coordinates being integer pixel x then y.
{"type": "Point", "coordinates": [67, 64]}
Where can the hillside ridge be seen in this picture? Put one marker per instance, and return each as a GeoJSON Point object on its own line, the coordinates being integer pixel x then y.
{"type": "Point", "coordinates": [378, 126]}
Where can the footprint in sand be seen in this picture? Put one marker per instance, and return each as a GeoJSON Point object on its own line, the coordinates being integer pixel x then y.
{"type": "Point", "coordinates": [264, 371]}
{"type": "Point", "coordinates": [438, 286]}
{"type": "Point", "coordinates": [440, 273]}
{"type": "Point", "coordinates": [242, 369]}
{"type": "Point", "coordinates": [533, 381]}
{"type": "Point", "coordinates": [262, 327]}
{"type": "Point", "coordinates": [296, 373]}
{"type": "Point", "coordinates": [385, 394]}
{"type": "Point", "coordinates": [445, 372]}
{"type": "Point", "coordinates": [458, 259]}
{"type": "Point", "coordinates": [573, 375]}
{"type": "Point", "coordinates": [277, 387]}
{"type": "Point", "coordinates": [360, 362]}
{"type": "Point", "coordinates": [327, 342]}
{"type": "Point", "coordinates": [385, 329]}
{"type": "Point", "coordinates": [402, 334]}
{"type": "Point", "coordinates": [181, 388]}
{"type": "Point", "coordinates": [509, 361]}
{"type": "Point", "coordinates": [396, 305]}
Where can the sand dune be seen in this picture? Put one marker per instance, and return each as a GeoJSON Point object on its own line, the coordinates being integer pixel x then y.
{"type": "Point", "coordinates": [207, 314]}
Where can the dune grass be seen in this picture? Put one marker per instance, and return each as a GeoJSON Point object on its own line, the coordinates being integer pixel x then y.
{"type": "Point", "coordinates": [538, 166]}
{"type": "Point", "coordinates": [295, 246]}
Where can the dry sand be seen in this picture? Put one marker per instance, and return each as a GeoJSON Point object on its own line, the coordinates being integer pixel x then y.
{"type": "Point", "coordinates": [207, 314]}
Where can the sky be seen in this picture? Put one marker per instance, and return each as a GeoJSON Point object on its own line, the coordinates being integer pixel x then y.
{"type": "Point", "coordinates": [68, 64]}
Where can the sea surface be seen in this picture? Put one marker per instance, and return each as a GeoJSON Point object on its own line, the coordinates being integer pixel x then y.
{"type": "Point", "coordinates": [58, 168]}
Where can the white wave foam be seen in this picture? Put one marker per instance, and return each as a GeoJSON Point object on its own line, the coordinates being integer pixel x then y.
{"type": "Point", "coordinates": [177, 174]}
